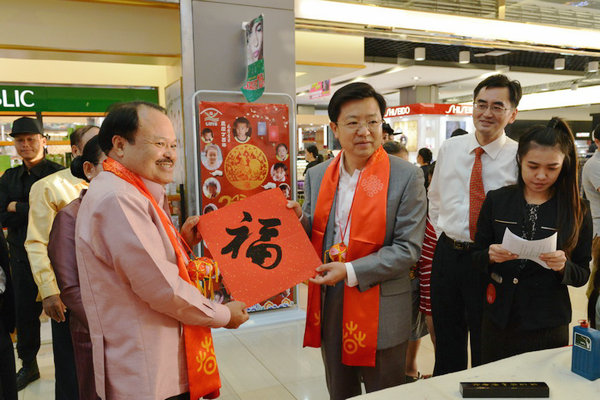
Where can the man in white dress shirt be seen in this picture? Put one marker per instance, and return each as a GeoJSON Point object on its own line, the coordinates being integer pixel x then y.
{"type": "Point", "coordinates": [467, 167]}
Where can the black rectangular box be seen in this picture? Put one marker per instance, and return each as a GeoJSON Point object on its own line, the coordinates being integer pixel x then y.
{"type": "Point", "coordinates": [504, 389]}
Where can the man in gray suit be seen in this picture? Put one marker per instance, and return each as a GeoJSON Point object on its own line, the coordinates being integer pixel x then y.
{"type": "Point", "coordinates": [365, 214]}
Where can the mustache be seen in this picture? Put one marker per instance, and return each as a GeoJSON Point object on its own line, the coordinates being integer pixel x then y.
{"type": "Point", "coordinates": [167, 159]}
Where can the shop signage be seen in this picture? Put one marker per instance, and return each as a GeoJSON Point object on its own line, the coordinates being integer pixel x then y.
{"type": "Point", "coordinates": [320, 89]}
{"type": "Point", "coordinates": [429, 108]}
{"type": "Point", "coordinates": [69, 98]}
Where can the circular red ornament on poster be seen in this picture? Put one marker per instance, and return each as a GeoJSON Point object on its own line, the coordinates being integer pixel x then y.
{"type": "Point", "coordinates": [491, 294]}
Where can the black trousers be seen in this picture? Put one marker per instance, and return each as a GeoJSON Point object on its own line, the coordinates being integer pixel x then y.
{"type": "Point", "coordinates": [344, 381]}
{"type": "Point", "coordinates": [28, 310]}
{"type": "Point", "coordinates": [457, 297]}
{"type": "Point", "coordinates": [8, 378]}
{"type": "Point", "coordinates": [499, 343]}
{"type": "Point", "coordinates": [65, 373]}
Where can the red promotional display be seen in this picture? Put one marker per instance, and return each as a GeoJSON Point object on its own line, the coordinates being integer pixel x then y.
{"type": "Point", "coordinates": [259, 245]}
{"type": "Point", "coordinates": [244, 150]}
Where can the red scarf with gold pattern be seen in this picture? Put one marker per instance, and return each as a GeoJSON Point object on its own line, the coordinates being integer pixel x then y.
{"type": "Point", "coordinates": [203, 374]}
{"type": "Point", "coordinates": [360, 319]}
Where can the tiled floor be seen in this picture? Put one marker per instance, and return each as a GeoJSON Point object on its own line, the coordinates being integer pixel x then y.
{"type": "Point", "coordinates": [262, 360]}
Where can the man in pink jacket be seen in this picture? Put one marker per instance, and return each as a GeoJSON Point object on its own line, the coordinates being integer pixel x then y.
{"type": "Point", "coordinates": [134, 297]}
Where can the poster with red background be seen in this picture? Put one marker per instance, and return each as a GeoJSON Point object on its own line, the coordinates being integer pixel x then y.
{"type": "Point", "coordinates": [244, 150]}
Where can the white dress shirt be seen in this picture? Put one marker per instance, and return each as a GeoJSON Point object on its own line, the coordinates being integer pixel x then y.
{"type": "Point", "coordinates": [449, 188]}
{"type": "Point", "coordinates": [345, 194]}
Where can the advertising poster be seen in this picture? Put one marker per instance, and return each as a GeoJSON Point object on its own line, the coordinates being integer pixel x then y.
{"type": "Point", "coordinates": [254, 85]}
{"type": "Point", "coordinates": [244, 150]}
{"type": "Point", "coordinates": [260, 246]}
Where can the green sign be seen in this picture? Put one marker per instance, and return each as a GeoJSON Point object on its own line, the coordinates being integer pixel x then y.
{"type": "Point", "coordinates": [69, 98]}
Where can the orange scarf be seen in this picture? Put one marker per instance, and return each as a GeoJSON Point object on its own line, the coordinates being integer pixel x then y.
{"type": "Point", "coordinates": [203, 374]}
{"type": "Point", "coordinates": [367, 233]}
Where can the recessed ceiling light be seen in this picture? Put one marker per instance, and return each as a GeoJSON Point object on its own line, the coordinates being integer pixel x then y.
{"type": "Point", "coordinates": [416, 78]}
{"type": "Point", "coordinates": [300, 73]}
{"type": "Point", "coordinates": [419, 53]}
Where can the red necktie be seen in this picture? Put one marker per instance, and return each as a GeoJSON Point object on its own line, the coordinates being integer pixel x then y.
{"type": "Point", "coordinates": [476, 193]}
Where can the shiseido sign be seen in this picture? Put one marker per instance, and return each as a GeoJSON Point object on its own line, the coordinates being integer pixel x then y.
{"type": "Point", "coordinates": [429, 108]}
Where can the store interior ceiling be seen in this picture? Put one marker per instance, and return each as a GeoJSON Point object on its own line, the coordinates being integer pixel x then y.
{"type": "Point", "coordinates": [454, 81]}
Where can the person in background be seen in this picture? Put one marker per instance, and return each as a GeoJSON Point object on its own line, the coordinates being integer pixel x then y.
{"type": "Point", "coordinates": [467, 166]}
{"type": "Point", "coordinates": [527, 304]}
{"type": "Point", "coordinates": [15, 185]}
{"type": "Point", "coordinates": [61, 251]}
{"type": "Point", "coordinates": [46, 198]}
{"type": "Point", "coordinates": [368, 238]}
{"type": "Point", "coordinates": [424, 158]}
{"type": "Point", "coordinates": [396, 149]}
{"type": "Point", "coordinates": [143, 312]}
{"type": "Point", "coordinates": [311, 154]}
{"type": "Point", "coordinates": [590, 180]}
{"type": "Point", "coordinates": [458, 132]}
{"type": "Point", "coordinates": [388, 132]}
{"type": "Point", "coordinates": [8, 383]}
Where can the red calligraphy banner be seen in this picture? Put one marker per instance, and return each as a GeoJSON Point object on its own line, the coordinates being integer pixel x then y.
{"type": "Point", "coordinates": [260, 246]}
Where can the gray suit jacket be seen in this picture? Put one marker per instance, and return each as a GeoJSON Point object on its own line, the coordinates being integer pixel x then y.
{"type": "Point", "coordinates": [390, 265]}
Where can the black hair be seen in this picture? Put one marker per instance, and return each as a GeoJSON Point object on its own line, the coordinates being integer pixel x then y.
{"type": "Point", "coordinates": [353, 91]}
{"type": "Point", "coordinates": [458, 132]}
{"type": "Point", "coordinates": [571, 208]}
{"type": "Point", "coordinates": [242, 120]}
{"type": "Point", "coordinates": [122, 119]}
{"type": "Point", "coordinates": [426, 155]}
{"type": "Point", "coordinates": [312, 149]}
{"type": "Point", "coordinates": [394, 148]}
{"type": "Point", "coordinates": [206, 130]}
{"type": "Point", "coordinates": [91, 153]}
{"type": "Point", "coordinates": [278, 165]}
{"type": "Point", "coordinates": [78, 133]}
{"type": "Point", "coordinates": [386, 128]}
{"type": "Point", "coordinates": [596, 132]}
{"type": "Point", "coordinates": [501, 81]}
{"type": "Point", "coordinates": [279, 145]}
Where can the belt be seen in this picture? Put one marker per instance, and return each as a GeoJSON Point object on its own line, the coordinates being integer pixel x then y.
{"type": "Point", "coordinates": [456, 244]}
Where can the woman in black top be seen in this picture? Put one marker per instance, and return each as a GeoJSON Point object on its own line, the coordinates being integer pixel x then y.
{"type": "Point", "coordinates": [311, 154]}
{"type": "Point", "coordinates": [527, 305]}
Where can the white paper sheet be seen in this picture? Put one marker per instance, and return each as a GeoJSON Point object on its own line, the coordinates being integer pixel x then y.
{"type": "Point", "coordinates": [529, 249]}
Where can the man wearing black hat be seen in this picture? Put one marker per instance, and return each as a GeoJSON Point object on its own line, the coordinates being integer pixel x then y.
{"type": "Point", "coordinates": [15, 184]}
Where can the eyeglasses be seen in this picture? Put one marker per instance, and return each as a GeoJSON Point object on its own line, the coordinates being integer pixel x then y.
{"type": "Point", "coordinates": [162, 144]}
{"type": "Point", "coordinates": [354, 126]}
{"type": "Point", "coordinates": [495, 108]}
